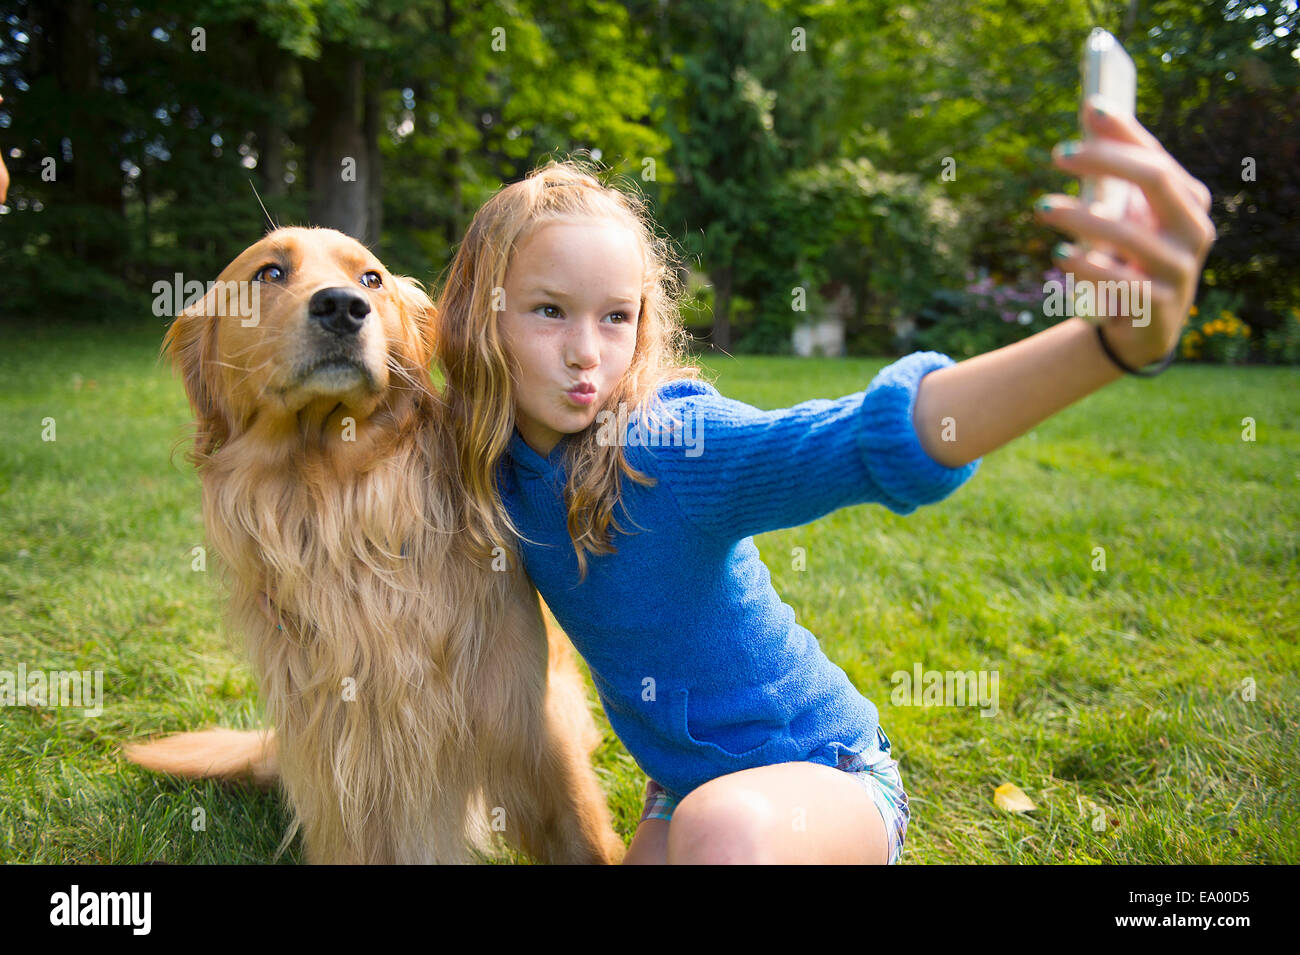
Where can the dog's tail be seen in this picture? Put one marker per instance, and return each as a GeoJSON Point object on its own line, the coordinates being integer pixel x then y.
{"type": "Point", "coordinates": [233, 755]}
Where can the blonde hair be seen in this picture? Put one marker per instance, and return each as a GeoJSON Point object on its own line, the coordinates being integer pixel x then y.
{"type": "Point", "coordinates": [479, 386]}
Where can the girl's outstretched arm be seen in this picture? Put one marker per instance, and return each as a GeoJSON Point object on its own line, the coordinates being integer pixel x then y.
{"type": "Point", "coordinates": [980, 404]}
{"type": "Point", "coordinates": [965, 411]}
{"type": "Point", "coordinates": [739, 471]}
{"type": "Point", "coordinates": [4, 173]}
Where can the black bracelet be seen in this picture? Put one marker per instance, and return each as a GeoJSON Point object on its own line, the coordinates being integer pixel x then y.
{"type": "Point", "coordinates": [1164, 362]}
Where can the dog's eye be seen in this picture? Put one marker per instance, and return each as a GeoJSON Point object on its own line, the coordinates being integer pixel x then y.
{"type": "Point", "coordinates": [269, 273]}
{"type": "Point", "coordinates": [372, 280]}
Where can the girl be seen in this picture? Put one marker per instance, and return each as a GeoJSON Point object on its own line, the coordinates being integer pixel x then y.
{"type": "Point", "coordinates": [634, 489]}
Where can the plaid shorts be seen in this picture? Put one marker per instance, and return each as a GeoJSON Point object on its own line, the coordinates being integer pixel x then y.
{"type": "Point", "coordinates": [876, 771]}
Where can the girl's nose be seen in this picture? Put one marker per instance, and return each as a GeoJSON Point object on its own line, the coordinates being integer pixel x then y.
{"type": "Point", "coordinates": [583, 344]}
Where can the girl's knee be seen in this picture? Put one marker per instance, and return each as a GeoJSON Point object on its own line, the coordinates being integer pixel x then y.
{"type": "Point", "coordinates": [721, 825]}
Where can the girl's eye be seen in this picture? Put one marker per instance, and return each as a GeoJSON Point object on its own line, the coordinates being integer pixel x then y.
{"type": "Point", "coordinates": [372, 280]}
{"type": "Point", "coordinates": [269, 273]}
{"type": "Point", "coordinates": [619, 317]}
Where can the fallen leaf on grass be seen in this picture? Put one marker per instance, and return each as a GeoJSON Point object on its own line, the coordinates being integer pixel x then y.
{"type": "Point", "coordinates": [1012, 798]}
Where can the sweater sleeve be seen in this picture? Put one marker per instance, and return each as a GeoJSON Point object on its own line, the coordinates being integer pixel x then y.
{"type": "Point", "coordinates": [736, 471]}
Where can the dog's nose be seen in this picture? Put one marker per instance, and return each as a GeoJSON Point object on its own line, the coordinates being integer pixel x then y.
{"type": "Point", "coordinates": [339, 310]}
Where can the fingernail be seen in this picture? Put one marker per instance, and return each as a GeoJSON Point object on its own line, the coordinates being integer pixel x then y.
{"type": "Point", "coordinates": [1045, 205]}
{"type": "Point", "coordinates": [1097, 107]}
{"type": "Point", "coordinates": [1070, 148]}
{"type": "Point", "coordinates": [1062, 250]}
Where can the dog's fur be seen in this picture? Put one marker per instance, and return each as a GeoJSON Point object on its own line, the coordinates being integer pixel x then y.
{"type": "Point", "coordinates": [419, 700]}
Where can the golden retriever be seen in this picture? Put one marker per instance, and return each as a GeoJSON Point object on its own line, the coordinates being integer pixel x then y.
{"type": "Point", "coordinates": [420, 702]}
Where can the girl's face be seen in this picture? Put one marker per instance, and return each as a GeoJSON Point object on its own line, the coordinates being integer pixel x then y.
{"type": "Point", "coordinates": [573, 299]}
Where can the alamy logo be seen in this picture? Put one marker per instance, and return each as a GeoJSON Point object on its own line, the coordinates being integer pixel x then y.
{"type": "Point", "coordinates": [102, 908]}
{"type": "Point", "coordinates": [231, 299]}
{"type": "Point", "coordinates": [57, 688]}
{"type": "Point", "coordinates": [946, 688]}
{"type": "Point", "coordinates": [686, 431]}
{"type": "Point", "coordinates": [1131, 299]}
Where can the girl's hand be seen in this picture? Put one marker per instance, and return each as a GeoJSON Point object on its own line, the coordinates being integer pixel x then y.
{"type": "Point", "coordinates": [4, 173]}
{"type": "Point", "coordinates": [1163, 238]}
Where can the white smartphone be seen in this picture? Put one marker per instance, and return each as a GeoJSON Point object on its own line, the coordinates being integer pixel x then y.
{"type": "Point", "coordinates": [1108, 72]}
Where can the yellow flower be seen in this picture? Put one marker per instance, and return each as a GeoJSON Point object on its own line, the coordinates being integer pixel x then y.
{"type": "Point", "coordinates": [1294, 311]}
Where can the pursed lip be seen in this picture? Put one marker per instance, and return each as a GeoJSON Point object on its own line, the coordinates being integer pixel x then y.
{"type": "Point", "coordinates": [583, 394]}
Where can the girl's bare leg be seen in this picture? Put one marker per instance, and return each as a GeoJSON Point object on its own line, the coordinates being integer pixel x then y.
{"type": "Point", "coordinates": [650, 844]}
{"type": "Point", "coordinates": [787, 813]}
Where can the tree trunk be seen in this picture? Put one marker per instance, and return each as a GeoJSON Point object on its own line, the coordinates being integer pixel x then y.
{"type": "Point", "coordinates": [451, 156]}
{"type": "Point", "coordinates": [456, 220]}
{"type": "Point", "coordinates": [338, 157]}
{"type": "Point", "coordinates": [271, 131]}
{"type": "Point", "coordinates": [721, 338]}
{"type": "Point", "coordinates": [374, 163]}
{"type": "Point", "coordinates": [1130, 18]}
{"type": "Point", "coordinates": [92, 174]}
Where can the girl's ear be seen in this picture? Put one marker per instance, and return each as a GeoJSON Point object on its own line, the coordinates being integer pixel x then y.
{"type": "Point", "coordinates": [190, 344]}
{"type": "Point", "coordinates": [418, 320]}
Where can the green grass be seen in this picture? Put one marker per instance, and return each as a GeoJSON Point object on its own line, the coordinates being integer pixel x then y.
{"type": "Point", "coordinates": [1119, 689]}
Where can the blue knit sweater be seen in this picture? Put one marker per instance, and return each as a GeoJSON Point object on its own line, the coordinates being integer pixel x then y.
{"type": "Point", "coordinates": [701, 669]}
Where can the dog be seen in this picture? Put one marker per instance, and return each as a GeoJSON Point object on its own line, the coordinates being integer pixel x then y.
{"type": "Point", "coordinates": [420, 702]}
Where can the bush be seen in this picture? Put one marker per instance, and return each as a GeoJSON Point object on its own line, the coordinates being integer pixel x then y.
{"type": "Point", "coordinates": [983, 316]}
{"type": "Point", "coordinates": [986, 315]}
{"type": "Point", "coordinates": [1214, 332]}
{"type": "Point", "coordinates": [1282, 344]}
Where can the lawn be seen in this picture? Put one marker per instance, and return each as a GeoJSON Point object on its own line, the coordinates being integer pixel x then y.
{"type": "Point", "coordinates": [1149, 709]}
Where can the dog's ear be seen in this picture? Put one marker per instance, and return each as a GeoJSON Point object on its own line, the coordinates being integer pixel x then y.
{"type": "Point", "coordinates": [417, 321]}
{"type": "Point", "coordinates": [190, 345]}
